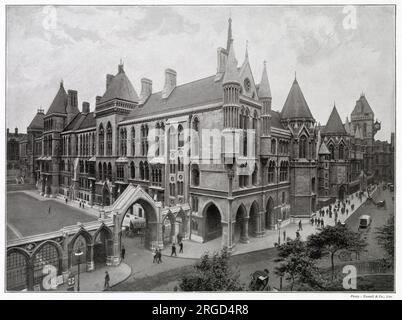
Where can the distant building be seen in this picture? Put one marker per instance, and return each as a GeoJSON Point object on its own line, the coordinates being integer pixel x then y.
{"type": "Point", "coordinates": [15, 151]}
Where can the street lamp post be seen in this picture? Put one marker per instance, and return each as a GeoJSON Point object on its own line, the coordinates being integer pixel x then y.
{"type": "Point", "coordinates": [78, 254]}
{"type": "Point", "coordinates": [279, 231]}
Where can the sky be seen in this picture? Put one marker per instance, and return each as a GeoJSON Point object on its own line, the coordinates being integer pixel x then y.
{"type": "Point", "coordinates": [335, 57]}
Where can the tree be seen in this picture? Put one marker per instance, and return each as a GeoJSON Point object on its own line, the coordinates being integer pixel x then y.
{"type": "Point", "coordinates": [212, 273]}
{"type": "Point", "coordinates": [297, 265]}
{"type": "Point", "coordinates": [385, 237]}
{"type": "Point", "coordinates": [333, 239]}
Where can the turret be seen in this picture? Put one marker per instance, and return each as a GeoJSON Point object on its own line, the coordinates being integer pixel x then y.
{"type": "Point", "coordinates": [264, 95]}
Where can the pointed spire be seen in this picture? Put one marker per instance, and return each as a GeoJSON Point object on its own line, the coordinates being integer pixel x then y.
{"type": "Point", "coordinates": [296, 106]}
{"type": "Point", "coordinates": [334, 124]}
{"type": "Point", "coordinates": [229, 34]}
{"type": "Point", "coordinates": [264, 90]}
{"type": "Point", "coordinates": [246, 55]}
{"type": "Point", "coordinates": [61, 83]}
{"type": "Point", "coordinates": [231, 73]}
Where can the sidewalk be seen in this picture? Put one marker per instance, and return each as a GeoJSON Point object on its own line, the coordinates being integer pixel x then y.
{"type": "Point", "coordinates": [72, 203]}
{"type": "Point", "coordinates": [194, 250]}
{"type": "Point", "coordinates": [94, 280]}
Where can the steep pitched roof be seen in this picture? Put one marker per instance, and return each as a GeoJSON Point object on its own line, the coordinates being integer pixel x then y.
{"type": "Point", "coordinates": [81, 121]}
{"type": "Point", "coordinates": [295, 105]}
{"type": "Point", "coordinates": [334, 124]}
{"type": "Point", "coordinates": [264, 89]}
{"type": "Point", "coordinates": [188, 95]}
{"type": "Point", "coordinates": [362, 106]}
{"type": "Point", "coordinates": [323, 149]}
{"type": "Point", "coordinates": [59, 102]}
{"type": "Point", "coordinates": [120, 88]}
{"type": "Point", "coordinates": [276, 119]}
{"type": "Point", "coordinates": [37, 121]}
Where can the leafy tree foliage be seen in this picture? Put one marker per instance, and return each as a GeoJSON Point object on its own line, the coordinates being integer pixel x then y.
{"type": "Point", "coordinates": [331, 240]}
{"type": "Point", "coordinates": [212, 273]}
{"type": "Point", "coordinates": [386, 238]}
{"type": "Point", "coordinates": [297, 265]}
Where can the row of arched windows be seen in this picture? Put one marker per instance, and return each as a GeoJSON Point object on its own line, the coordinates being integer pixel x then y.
{"type": "Point", "coordinates": [86, 144]}
{"type": "Point", "coordinates": [105, 171]}
{"type": "Point", "coordinates": [342, 152]}
{"type": "Point", "coordinates": [47, 145]}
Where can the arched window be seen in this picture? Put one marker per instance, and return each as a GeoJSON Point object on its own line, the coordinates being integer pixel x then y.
{"type": "Point", "coordinates": [109, 171]}
{"type": "Point", "coordinates": [283, 171]}
{"type": "Point", "coordinates": [195, 137]}
{"type": "Point", "coordinates": [109, 139]}
{"type": "Point", "coordinates": [172, 138]}
{"type": "Point", "coordinates": [271, 171]}
{"type": "Point", "coordinates": [123, 142]}
{"type": "Point", "coordinates": [180, 136]}
{"type": "Point", "coordinates": [254, 175]}
{"type": "Point", "coordinates": [132, 141]}
{"type": "Point", "coordinates": [146, 169]}
{"type": "Point", "coordinates": [341, 151]}
{"type": "Point", "coordinates": [195, 175]}
{"type": "Point", "coordinates": [157, 134]}
{"type": "Point", "coordinates": [331, 151]}
{"type": "Point", "coordinates": [273, 146]}
{"type": "Point", "coordinates": [364, 130]}
{"type": "Point", "coordinates": [302, 147]}
{"type": "Point", "coordinates": [104, 175]}
{"type": "Point", "coordinates": [142, 171]}
{"type": "Point", "coordinates": [132, 170]}
{"type": "Point", "coordinates": [162, 139]}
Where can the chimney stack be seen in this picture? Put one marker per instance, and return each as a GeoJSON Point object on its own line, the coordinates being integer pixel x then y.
{"type": "Point", "coordinates": [8, 131]}
{"type": "Point", "coordinates": [109, 79]}
{"type": "Point", "coordinates": [16, 131]}
{"type": "Point", "coordinates": [85, 107]}
{"type": "Point", "coordinates": [146, 89]}
{"type": "Point", "coordinates": [170, 83]}
{"type": "Point", "coordinates": [72, 98]}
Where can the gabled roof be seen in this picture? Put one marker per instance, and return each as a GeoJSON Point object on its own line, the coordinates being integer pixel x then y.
{"type": "Point", "coordinates": [264, 89]}
{"type": "Point", "coordinates": [120, 88]}
{"type": "Point", "coordinates": [323, 149]}
{"type": "Point", "coordinates": [37, 121]}
{"type": "Point", "coordinates": [187, 95]}
{"type": "Point", "coordinates": [59, 102]}
{"type": "Point", "coordinates": [81, 121]}
{"type": "Point", "coordinates": [334, 124]}
{"type": "Point", "coordinates": [362, 106]}
{"type": "Point", "coordinates": [295, 105]}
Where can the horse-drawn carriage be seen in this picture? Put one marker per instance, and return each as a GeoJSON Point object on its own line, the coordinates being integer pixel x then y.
{"type": "Point", "coordinates": [260, 281]}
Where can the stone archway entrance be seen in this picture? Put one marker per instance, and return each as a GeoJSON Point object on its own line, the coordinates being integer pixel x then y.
{"type": "Point", "coordinates": [102, 242]}
{"type": "Point", "coordinates": [252, 221]}
{"type": "Point", "coordinates": [240, 233]}
{"type": "Point", "coordinates": [213, 226]}
{"type": "Point", "coordinates": [269, 219]}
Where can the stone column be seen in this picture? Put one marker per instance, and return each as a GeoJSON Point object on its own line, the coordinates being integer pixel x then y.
{"type": "Point", "coordinates": [90, 261]}
{"type": "Point", "coordinates": [244, 231]}
{"type": "Point", "coordinates": [260, 228]}
{"type": "Point", "coordinates": [64, 262]}
{"type": "Point", "coordinates": [227, 240]}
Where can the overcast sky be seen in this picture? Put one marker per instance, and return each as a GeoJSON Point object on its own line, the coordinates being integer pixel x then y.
{"type": "Point", "coordinates": [82, 44]}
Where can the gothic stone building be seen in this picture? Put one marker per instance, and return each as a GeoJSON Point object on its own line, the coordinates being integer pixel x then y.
{"type": "Point", "coordinates": [214, 157]}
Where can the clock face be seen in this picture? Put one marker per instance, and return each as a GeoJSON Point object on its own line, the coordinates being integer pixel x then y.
{"type": "Point", "coordinates": [247, 84]}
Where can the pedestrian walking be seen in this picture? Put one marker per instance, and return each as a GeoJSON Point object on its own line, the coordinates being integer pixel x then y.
{"type": "Point", "coordinates": [181, 247]}
{"type": "Point", "coordinates": [300, 225]}
{"type": "Point", "coordinates": [297, 235]}
{"type": "Point", "coordinates": [173, 250]}
{"type": "Point", "coordinates": [284, 235]}
{"type": "Point", "coordinates": [83, 205]}
{"type": "Point", "coordinates": [49, 211]}
{"type": "Point", "coordinates": [123, 253]}
{"type": "Point", "coordinates": [107, 280]}
{"type": "Point", "coordinates": [65, 199]}
{"type": "Point", "coordinates": [159, 256]}
{"type": "Point", "coordinates": [154, 256]}
{"type": "Point", "coordinates": [322, 223]}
